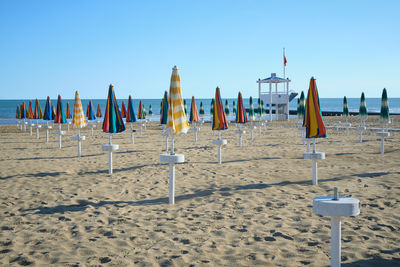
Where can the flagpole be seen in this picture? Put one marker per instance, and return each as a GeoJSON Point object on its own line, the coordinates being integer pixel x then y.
{"type": "Point", "coordinates": [284, 64]}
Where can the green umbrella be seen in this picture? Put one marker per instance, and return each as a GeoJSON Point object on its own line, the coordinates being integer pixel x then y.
{"type": "Point", "coordinates": [345, 107]}
{"type": "Point", "coordinates": [144, 112]}
{"type": "Point", "coordinates": [161, 106]}
{"type": "Point", "coordinates": [226, 108]}
{"type": "Point", "coordinates": [212, 107]}
{"type": "Point", "coordinates": [185, 106]}
{"type": "Point", "coordinates": [384, 107]}
{"type": "Point", "coordinates": [363, 108]}
{"type": "Point", "coordinates": [150, 110]}
{"type": "Point", "coordinates": [201, 109]}
{"type": "Point", "coordinates": [263, 112]}
{"type": "Point", "coordinates": [298, 109]}
{"type": "Point", "coordinates": [234, 108]}
{"type": "Point", "coordinates": [252, 115]}
{"type": "Point", "coordinates": [259, 108]}
{"type": "Point", "coordinates": [302, 105]}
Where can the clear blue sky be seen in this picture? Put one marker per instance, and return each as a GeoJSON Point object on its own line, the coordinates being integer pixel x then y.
{"type": "Point", "coordinates": [57, 47]}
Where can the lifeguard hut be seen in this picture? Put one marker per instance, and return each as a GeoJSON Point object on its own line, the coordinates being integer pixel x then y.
{"type": "Point", "coordinates": [280, 97]}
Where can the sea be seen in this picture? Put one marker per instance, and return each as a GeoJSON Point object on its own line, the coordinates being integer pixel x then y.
{"type": "Point", "coordinates": [8, 107]}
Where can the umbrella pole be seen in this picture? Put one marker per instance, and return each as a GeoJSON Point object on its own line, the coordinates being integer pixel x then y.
{"type": "Point", "coordinates": [91, 130]}
{"type": "Point", "coordinates": [172, 145]}
{"type": "Point", "coordinates": [109, 156]}
{"type": "Point", "coordinates": [132, 138]}
{"type": "Point", "coordinates": [30, 128]}
{"type": "Point", "coordinates": [47, 131]}
{"type": "Point", "coordinates": [219, 148]}
{"type": "Point", "coordinates": [314, 167]}
{"type": "Point", "coordinates": [171, 183]}
{"type": "Point", "coordinates": [336, 228]}
{"type": "Point", "coordinates": [79, 141]}
{"type": "Point", "coordinates": [166, 143]}
{"type": "Point", "coordinates": [24, 125]}
{"type": "Point", "coordinates": [59, 136]}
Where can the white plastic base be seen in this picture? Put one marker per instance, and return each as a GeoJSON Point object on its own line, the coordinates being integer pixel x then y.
{"type": "Point", "coordinates": [361, 128]}
{"type": "Point", "coordinates": [168, 158]}
{"type": "Point", "coordinates": [383, 134]}
{"type": "Point", "coordinates": [240, 131]}
{"type": "Point", "coordinates": [343, 207]}
{"type": "Point", "coordinates": [219, 142]}
{"type": "Point", "coordinates": [78, 138]}
{"type": "Point", "coordinates": [110, 147]}
{"type": "Point", "coordinates": [60, 132]}
{"type": "Point", "coordinates": [314, 155]}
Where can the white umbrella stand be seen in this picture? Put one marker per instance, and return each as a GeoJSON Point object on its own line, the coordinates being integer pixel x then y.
{"type": "Point", "coordinates": [219, 142]}
{"type": "Point", "coordinates": [314, 156]}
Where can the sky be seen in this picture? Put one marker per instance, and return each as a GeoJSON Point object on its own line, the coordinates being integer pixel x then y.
{"type": "Point", "coordinates": [58, 47]}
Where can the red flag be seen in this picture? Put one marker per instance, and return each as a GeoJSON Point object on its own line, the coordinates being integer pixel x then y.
{"type": "Point", "coordinates": [284, 60]}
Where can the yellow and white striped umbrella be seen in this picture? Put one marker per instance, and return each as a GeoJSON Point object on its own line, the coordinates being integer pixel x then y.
{"type": "Point", "coordinates": [78, 118]}
{"type": "Point", "coordinates": [177, 121]}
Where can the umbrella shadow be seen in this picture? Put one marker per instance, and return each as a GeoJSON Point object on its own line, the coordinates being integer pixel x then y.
{"type": "Point", "coordinates": [234, 161]}
{"type": "Point", "coordinates": [34, 175]}
{"type": "Point", "coordinates": [120, 169]}
{"type": "Point", "coordinates": [69, 157]}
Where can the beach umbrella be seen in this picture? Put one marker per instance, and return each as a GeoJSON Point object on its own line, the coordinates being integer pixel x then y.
{"type": "Point", "coordinates": [161, 104]}
{"type": "Point", "coordinates": [90, 111]}
{"type": "Point", "coordinates": [140, 115]}
{"type": "Point", "coordinates": [30, 111]}
{"type": "Point", "coordinates": [150, 110]}
{"type": "Point", "coordinates": [37, 114]}
{"type": "Point", "coordinates": [252, 115]}
{"type": "Point", "coordinates": [384, 115]}
{"type": "Point", "coordinates": [262, 108]}
{"type": "Point", "coordinates": [234, 108]}
{"type": "Point", "coordinates": [219, 122]}
{"type": "Point", "coordinates": [98, 113]}
{"type": "Point", "coordinates": [194, 116]}
{"type": "Point", "coordinates": [363, 108]}
{"type": "Point", "coordinates": [68, 112]}
{"type": "Point", "coordinates": [176, 123]}
{"type": "Point", "coordinates": [201, 109]}
{"type": "Point", "coordinates": [259, 108]}
{"type": "Point", "coordinates": [298, 109]}
{"type": "Point", "coordinates": [53, 110]}
{"type": "Point", "coordinates": [345, 108]}
{"type": "Point", "coordinates": [144, 112]}
{"type": "Point", "coordinates": [241, 116]}
{"type": "Point", "coordinates": [226, 108]}
{"type": "Point", "coordinates": [112, 123]}
{"type": "Point", "coordinates": [185, 106]}
{"type": "Point", "coordinates": [164, 109]}
{"type": "Point", "coordinates": [123, 110]}
{"type": "Point", "coordinates": [131, 117]}
{"type": "Point", "coordinates": [60, 119]}
{"type": "Point", "coordinates": [78, 120]}
{"type": "Point", "coordinates": [48, 116]}
{"type": "Point", "coordinates": [23, 114]}
{"type": "Point", "coordinates": [212, 107]}
{"type": "Point", "coordinates": [314, 124]}
{"type": "Point", "coordinates": [17, 115]}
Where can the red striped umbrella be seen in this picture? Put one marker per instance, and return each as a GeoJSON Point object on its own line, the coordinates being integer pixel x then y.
{"type": "Point", "coordinates": [241, 116]}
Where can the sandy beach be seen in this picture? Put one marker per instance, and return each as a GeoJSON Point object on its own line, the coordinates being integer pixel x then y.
{"type": "Point", "coordinates": [255, 209]}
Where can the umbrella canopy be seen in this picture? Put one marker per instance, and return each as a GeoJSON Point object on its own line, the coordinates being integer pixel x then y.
{"type": "Point", "coordinates": [48, 111]}
{"type": "Point", "coordinates": [219, 117]}
{"type": "Point", "coordinates": [234, 108]}
{"type": "Point", "coordinates": [185, 106]}
{"type": "Point", "coordinates": [130, 112]}
{"type": "Point", "coordinates": [53, 111]}
{"type": "Point", "coordinates": [262, 109]}
{"type": "Point", "coordinates": [226, 108]}
{"type": "Point", "coordinates": [363, 108]}
{"type": "Point", "coordinates": [78, 117]}
{"type": "Point", "coordinates": [345, 107]}
{"type": "Point", "coordinates": [150, 110]}
{"type": "Point", "coordinates": [212, 107]}
{"type": "Point", "coordinates": [17, 115]}
{"type": "Point", "coordinates": [90, 112]}
{"type": "Point", "coordinates": [298, 109]}
{"type": "Point", "coordinates": [30, 112]}
{"type": "Point", "coordinates": [60, 115]}
{"type": "Point", "coordinates": [123, 110]}
{"type": "Point", "coordinates": [68, 112]}
{"type": "Point", "coordinates": [144, 112]}
{"type": "Point", "coordinates": [177, 121]}
{"type": "Point", "coordinates": [259, 108]}
{"type": "Point", "coordinates": [252, 115]}
{"type": "Point", "coordinates": [201, 109]}
{"type": "Point", "coordinates": [98, 113]}
{"type": "Point", "coordinates": [313, 121]}
{"type": "Point", "coordinates": [241, 116]}
{"type": "Point", "coordinates": [194, 115]}
{"type": "Point", "coordinates": [384, 107]}
{"type": "Point", "coordinates": [164, 109]}
{"type": "Point", "coordinates": [302, 104]}
{"type": "Point", "coordinates": [22, 111]}
{"type": "Point", "coordinates": [37, 113]}
{"type": "Point", "coordinates": [112, 122]}
{"type": "Point", "coordinates": [140, 111]}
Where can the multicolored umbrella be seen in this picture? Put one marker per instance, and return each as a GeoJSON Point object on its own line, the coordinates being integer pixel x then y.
{"type": "Point", "coordinates": [130, 112]}
{"type": "Point", "coordinates": [212, 107]}
{"type": "Point", "coordinates": [241, 116]}
{"type": "Point", "coordinates": [37, 114]}
{"type": "Point", "coordinates": [123, 110]}
{"type": "Point", "coordinates": [17, 115]}
{"type": "Point", "coordinates": [164, 109]}
{"type": "Point", "coordinates": [150, 110]}
{"type": "Point", "coordinates": [177, 121]}
{"type": "Point", "coordinates": [185, 106]}
{"type": "Point", "coordinates": [252, 115]}
{"type": "Point", "coordinates": [226, 108]}
{"type": "Point", "coordinates": [384, 115]}
{"type": "Point", "coordinates": [90, 111]}
{"type": "Point", "coordinates": [112, 122]}
{"type": "Point", "coordinates": [345, 107]}
{"type": "Point", "coordinates": [140, 114]}
{"type": "Point", "coordinates": [194, 116]}
{"type": "Point", "coordinates": [53, 110]}
{"type": "Point", "coordinates": [22, 111]}
{"type": "Point", "coordinates": [259, 108]}
{"type": "Point", "coordinates": [144, 112]}
{"type": "Point", "coordinates": [219, 117]}
{"type": "Point", "coordinates": [68, 112]}
{"type": "Point", "coordinates": [30, 112]}
{"type": "Point", "coordinates": [98, 113]}
{"type": "Point", "coordinates": [363, 108]}
{"type": "Point", "coordinates": [313, 121]}
{"type": "Point", "coordinates": [78, 117]}
{"type": "Point", "coordinates": [201, 109]}
{"type": "Point", "coordinates": [234, 108]}
{"type": "Point", "coordinates": [60, 115]}
{"type": "Point", "coordinates": [48, 111]}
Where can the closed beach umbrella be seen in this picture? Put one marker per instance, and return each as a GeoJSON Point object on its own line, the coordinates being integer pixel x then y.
{"type": "Point", "coordinates": [48, 112]}
{"type": "Point", "coordinates": [123, 110]}
{"type": "Point", "coordinates": [345, 107]}
{"type": "Point", "coordinates": [194, 115]}
{"type": "Point", "coordinates": [98, 113]}
{"type": "Point", "coordinates": [219, 117]}
{"type": "Point", "coordinates": [302, 104]}
{"type": "Point", "coordinates": [22, 111]}
{"type": "Point", "coordinates": [313, 121]}
{"type": "Point", "coordinates": [226, 108]}
{"type": "Point", "coordinates": [68, 112]}
{"type": "Point", "coordinates": [37, 114]}
{"type": "Point", "coordinates": [17, 115]}
{"type": "Point", "coordinates": [259, 108]}
{"type": "Point", "coordinates": [60, 115]}
{"type": "Point", "coordinates": [185, 106]}
{"type": "Point", "coordinates": [130, 112]}
{"type": "Point", "coordinates": [78, 119]}
{"type": "Point", "coordinates": [234, 108]}
{"type": "Point", "coordinates": [363, 108]}
{"type": "Point", "coordinates": [150, 110]}
{"type": "Point", "coordinates": [212, 107]}
{"type": "Point", "coordinates": [384, 115]}
{"type": "Point", "coordinates": [144, 112]}
{"type": "Point", "coordinates": [164, 109]}
{"type": "Point", "coordinates": [30, 111]}
{"type": "Point", "coordinates": [90, 114]}
{"type": "Point", "coordinates": [252, 115]}
{"type": "Point", "coordinates": [262, 108]}
{"type": "Point", "coordinates": [112, 122]}
{"type": "Point", "coordinates": [140, 111]}
{"type": "Point", "coordinates": [241, 116]}
{"type": "Point", "coordinates": [298, 109]}
{"type": "Point", "coordinates": [53, 111]}
{"type": "Point", "coordinates": [201, 109]}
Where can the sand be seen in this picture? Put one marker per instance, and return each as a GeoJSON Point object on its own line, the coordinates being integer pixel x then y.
{"type": "Point", "coordinates": [254, 209]}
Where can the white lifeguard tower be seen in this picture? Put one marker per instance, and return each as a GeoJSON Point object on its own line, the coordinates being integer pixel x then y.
{"type": "Point", "coordinates": [278, 98]}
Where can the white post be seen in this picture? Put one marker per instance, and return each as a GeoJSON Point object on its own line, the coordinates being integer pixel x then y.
{"type": "Point", "coordinates": [47, 133]}
{"type": "Point", "coordinates": [110, 171]}
{"type": "Point", "coordinates": [59, 136]}
{"type": "Point", "coordinates": [132, 138]}
{"type": "Point", "coordinates": [166, 143]}
{"type": "Point", "coordinates": [91, 131]}
{"type": "Point", "coordinates": [347, 131]}
{"type": "Point", "coordinates": [141, 128]}
{"type": "Point", "coordinates": [68, 128]}
{"type": "Point", "coordinates": [382, 145]}
{"type": "Point", "coordinates": [308, 146]}
{"type": "Point", "coordinates": [219, 148]}
{"type": "Point", "coordinates": [24, 125]}
{"type": "Point", "coordinates": [336, 226]}
{"type": "Point", "coordinates": [79, 141]}
{"type": "Point", "coordinates": [172, 145]}
{"type": "Point", "coordinates": [30, 129]}
{"type": "Point", "coordinates": [287, 105]}
{"type": "Point", "coordinates": [37, 131]}
{"type": "Point", "coordinates": [251, 134]}
{"type": "Point", "coordinates": [259, 130]}
{"type": "Point", "coordinates": [195, 136]}
{"type": "Point", "coordinates": [270, 102]}
{"type": "Point", "coordinates": [240, 140]}
{"type": "Point", "coordinates": [171, 183]}
{"type": "Point", "coordinates": [314, 172]}
{"type": "Point", "coordinates": [276, 105]}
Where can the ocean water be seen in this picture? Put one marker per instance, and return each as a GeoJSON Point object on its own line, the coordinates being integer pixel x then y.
{"type": "Point", "coordinates": [8, 107]}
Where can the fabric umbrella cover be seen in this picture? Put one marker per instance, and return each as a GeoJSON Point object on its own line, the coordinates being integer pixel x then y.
{"type": "Point", "coordinates": [345, 107]}
{"type": "Point", "coordinates": [140, 111]}
{"type": "Point", "coordinates": [53, 110]}
{"type": "Point", "coordinates": [78, 117]}
{"type": "Point", "coordinates": [234, 108]}
{"type": "Point", "coordinates": [112, 122]}
{"type": "Point", "coordinates": [90, 114]}
{"type": "Point", "coordinates": [363, 108]}
{"type": "Point", "coordinates": [37, 114]}
{"type": "Point", "coordinates": [48, 112]}
{"type": "Point", "coordinates": [144, 112]}
{"type": "Point", "coordinates": [252, 115]}
{"type": "Point", "coordinates": [185, 106]}
{"type": "Point", "coordinates": [194, 115]}
{"type": "Point", "coordinates": [302, 104]}
{"type": "Point", "coordinates": [201, 109]}
{"type": "Point", "coordinates": [150, 110]}
{"type": "Point", "coordinates": [313, 121]}
{"type": "Point", "coordinates": [177, 121]}
{"type": "Point", "coordinates": [164, 109]}
{"type": "Point", "coordinates": [262, 108]}
{"type": "Point", "coordinates": [30, 112]}
{"type": "Point", "coordinates": [219, 117]}
{"type": "Point", "coordinates": [259, 108]}
{"type": "Point", "coordinates": [22, 110]}
{"type": "Point", "coordinates": [241, 116]}
{"type": "Point", "coordinates": [17, 115]}
{"type": "Point", "coordinates": [60, 115]}
{"type": "Point", "coordinates": [226, 108]}
{"type": "Point", "coordinates": [298, 109]}
{"type": "Point", "coordinates": [67, 112]}
{"type": "Point", "coordinates": [212, 107]}
{"type": "Point", "coordinates": [130, 112]}
{"type": "Point", "coordinates": [123, 110]}
{"type": "Point", "coordinates": [384, 107]}
{"type": "Point", "coordinates": [98, 113]}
